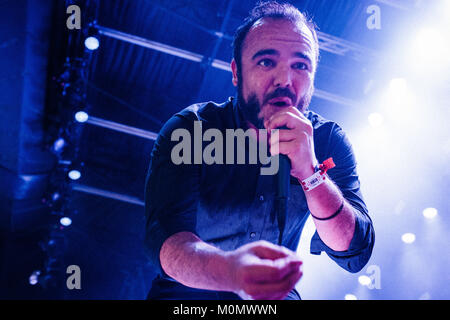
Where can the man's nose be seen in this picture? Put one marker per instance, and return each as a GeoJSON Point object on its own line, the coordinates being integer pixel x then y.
{"type": "Point", "coordinates": [283, 77]}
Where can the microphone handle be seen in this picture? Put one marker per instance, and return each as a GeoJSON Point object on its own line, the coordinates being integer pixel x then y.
{"type": "Point", "coordinates": [284, 176]}
{"type": "Point", "coordinates": [282, 191]}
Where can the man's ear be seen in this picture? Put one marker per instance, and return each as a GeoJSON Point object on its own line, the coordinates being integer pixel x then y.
{"type": "Point", "coordinates": [234, 71]}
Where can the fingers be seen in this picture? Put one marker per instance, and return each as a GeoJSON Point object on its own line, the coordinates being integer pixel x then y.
{"type": "Point", "coordinates": [265, 270]}
{"type": "Point", "coordinates": [284, 141]}
{"type": "Point", "coordinates": [289, 117]}
{"type": "Point", "coordinates": [274, 290]}
{"type": "Point", "coordinates": [283, 148]}
{"type": "Point", "coordinates": [277, 291]}
{"type": "Point", "coordinates": [267, 250]}
{"type": "Point", "coordinates": [283, 135]}
{"type": "Point", "coordinates": [268, 271]}
{"type": "Point", "coordinates": [284, 118]}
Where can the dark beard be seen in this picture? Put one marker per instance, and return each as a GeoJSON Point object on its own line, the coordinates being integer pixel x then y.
{"type": "Point", "coordinates": [252, 107]}
{"type": "Point", "coordinates": [250, 110]}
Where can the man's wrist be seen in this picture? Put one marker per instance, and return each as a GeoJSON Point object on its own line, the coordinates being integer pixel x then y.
{"type": "Point", "coordinates": [302, 175]}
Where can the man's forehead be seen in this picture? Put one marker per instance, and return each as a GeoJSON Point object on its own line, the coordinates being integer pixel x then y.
{"type": "Point", "coordinates": [270, 29]}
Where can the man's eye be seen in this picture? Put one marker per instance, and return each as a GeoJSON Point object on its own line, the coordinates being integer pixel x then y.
{"type": "Point", "coordinates": [300, 66]}
{"type": "Point", "coordinates": [266, 63]}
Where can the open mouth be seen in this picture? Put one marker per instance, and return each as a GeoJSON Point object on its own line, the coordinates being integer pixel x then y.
{"type": "Point", "coordinates": [280, 102]}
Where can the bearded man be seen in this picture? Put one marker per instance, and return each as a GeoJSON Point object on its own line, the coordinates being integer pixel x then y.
{"type": "Point", "coordinates": [211, 229]}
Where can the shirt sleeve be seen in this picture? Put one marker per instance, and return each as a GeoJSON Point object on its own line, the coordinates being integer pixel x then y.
{"type": "Point", "coordinates": [346, 178]}
{"type": "Point", "coordinates": [171, 190]}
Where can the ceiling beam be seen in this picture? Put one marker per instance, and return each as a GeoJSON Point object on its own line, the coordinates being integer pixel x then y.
{"type": "Point", "coordinates": [223, 65]}
{"type": "Point", "coordinates": [107, 194]}
{"type": "Point", "coordinates": [121, 128]}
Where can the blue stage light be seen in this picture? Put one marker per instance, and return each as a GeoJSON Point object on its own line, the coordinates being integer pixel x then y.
{"type": "Point", "coordinates": [364, 280]}
{"type": "Point", "coordinates": [74, 174]}
{"type": "Point", "coordinates": [81, 116]}
{"type": "Point", "coordinates": [65, 221]}
{"type": "Point", "coordinates": [34, 277]}
{"type": "Point", "coordinates": [408, 238]}
{"type": "Point", "coordinates": [92, 43]}
{"type": "Point", "coordinates": [59, 144]}
{"type": "Point", "coordinates": [430, 213]}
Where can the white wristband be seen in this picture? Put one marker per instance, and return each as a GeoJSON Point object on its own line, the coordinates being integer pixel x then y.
{"type": "Point", "coordinates": [313, 181]}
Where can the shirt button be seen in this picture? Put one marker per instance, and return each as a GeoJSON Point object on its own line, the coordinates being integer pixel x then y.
{"type": "Point", "coordinates": [261, 198]}
{"type": "Point", "coordinates": [252, 234]}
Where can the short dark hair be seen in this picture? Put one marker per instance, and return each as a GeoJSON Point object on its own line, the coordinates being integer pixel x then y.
{"type": "Point", "coordinates": [275, 10]}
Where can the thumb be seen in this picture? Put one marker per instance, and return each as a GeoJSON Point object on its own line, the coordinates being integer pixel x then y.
{"type": "Point", "coordinates": [267, 250]}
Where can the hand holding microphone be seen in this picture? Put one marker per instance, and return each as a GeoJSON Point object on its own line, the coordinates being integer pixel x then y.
{"type": "Point", "coordinates": [294, 140]}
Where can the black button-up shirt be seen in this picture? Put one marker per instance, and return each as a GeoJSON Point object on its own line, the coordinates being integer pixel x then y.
{"type": "Point", "coordinates": [229, 205]}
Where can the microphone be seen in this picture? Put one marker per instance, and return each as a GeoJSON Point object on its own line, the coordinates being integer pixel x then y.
{"type": "Point", "coordinates": [282, 191]}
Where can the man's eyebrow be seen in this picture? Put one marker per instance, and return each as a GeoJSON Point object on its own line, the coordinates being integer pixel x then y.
{"type": "Point", "coordinates": [303, 56]}
{"type": "Point", "coordinates": [276, 53]}
{"type": "Point", "coordinates": [265, 52]}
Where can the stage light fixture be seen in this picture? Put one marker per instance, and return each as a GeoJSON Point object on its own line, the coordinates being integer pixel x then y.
{"type": "Point", "coordinates": [398, 94]}
{"type": "Point", "coordinates": [364, 280]}
{"type": "Point", "coordinates": [408, 238]}
{"type": "Point", "coordinates": [56, 196]}
{"type": "Point", "coordinates": [58, 145]}
{"type": "Point", "coordinates": [81, 116]}
{"type": "Point", "coordinates": [74, 174]}
{"type": "Point", "coordinates": [65, 221]}
{"type": "Point", "coordinates": [91, 43]}
{"type": "Point", "coordinates": [430, 213]}
{"type": "Point", "coordinates": [400, 101]}
{"type": "Point", "coordinates": [34, 277]}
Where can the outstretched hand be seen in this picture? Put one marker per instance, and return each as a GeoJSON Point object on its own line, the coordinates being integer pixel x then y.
{"type": "Point", "coordinates": [264, 271]}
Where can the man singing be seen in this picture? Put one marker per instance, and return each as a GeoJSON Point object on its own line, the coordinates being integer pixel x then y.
{"type": "Point", "coordinates": [212, 230]}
